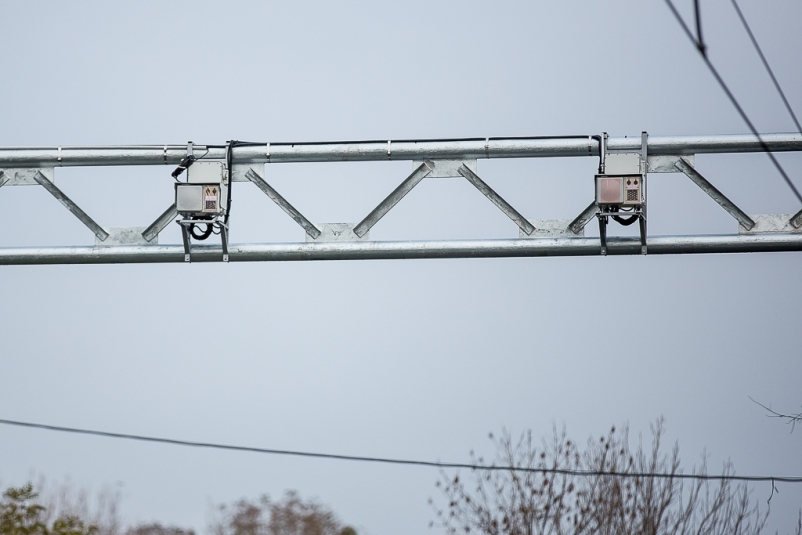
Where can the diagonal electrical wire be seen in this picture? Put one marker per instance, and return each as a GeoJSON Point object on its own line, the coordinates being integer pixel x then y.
{"type": "Point", "coordinates": [734, 102]}
{"type": "Point", "coordinates": [766, 64]}
{"type": "Point", "coordinates": [386, 460]}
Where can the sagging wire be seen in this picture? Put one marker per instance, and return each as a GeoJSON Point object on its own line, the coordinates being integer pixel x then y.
{"type": "Point", "coordinates": [387, 460]}
{"type": "Point", "coordinates": [621, 220]}
{"type": "Point", "coordinates": [766, 64]}
{"type": "Point", "coordinates": [733, 100]}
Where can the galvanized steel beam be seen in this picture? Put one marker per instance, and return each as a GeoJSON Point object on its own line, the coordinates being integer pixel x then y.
{"type": "Point", "coordinates": [449, 149]}
{"type": "Point", "coordinates": [537, 247]}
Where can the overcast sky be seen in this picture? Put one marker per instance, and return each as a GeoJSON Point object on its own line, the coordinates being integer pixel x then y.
{"type": "Point", "coordinates": [417, 358]}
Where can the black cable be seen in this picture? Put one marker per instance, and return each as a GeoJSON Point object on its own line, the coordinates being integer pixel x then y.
{"type": "Point", "coordinates": [581, 473]}
{"type": "Point", "coordinates": [735, 103]}
{"type": "Point", "coordinates": [766, 64]}
{"type": "Point", "coordinates": [203, 235]}
{"type": "Point", "coordinates": [229, 165]}
{"type": "Point", "coordinates": [229, 160]}
{"type": "Point", "coordinates": [600, 152]}
{"type": "Point", "coordinates": [625, 221]}
{"type": "Point", "coordinates": [700, 43]}
{"type": "Point", "coordinates": [183, 165]}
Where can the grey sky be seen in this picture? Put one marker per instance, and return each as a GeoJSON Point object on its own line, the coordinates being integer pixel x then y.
{"type": "Point", "coordinates": [416, 359]}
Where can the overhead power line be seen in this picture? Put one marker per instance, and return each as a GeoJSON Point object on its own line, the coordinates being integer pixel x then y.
{"type": "Point", "coordinates": [702, 51]}
{"type": "Point", "coordinates": [766, 64]}
{"type": "Point", "coordinates": [409, 462]}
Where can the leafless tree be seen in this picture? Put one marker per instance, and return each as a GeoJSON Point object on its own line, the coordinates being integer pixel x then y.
{"type": "Point", "coordinates": [289, 516]}
{"type": "Point", "coordinates": [100, 509]}
{"type": "Point", "coordinates": [548, 497]}
{"type": "Point", "coordinates": [154, 528]}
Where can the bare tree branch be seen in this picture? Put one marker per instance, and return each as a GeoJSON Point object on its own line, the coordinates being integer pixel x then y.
{"type": "Point", "coordinates": [792, 419]}
{"type": "Point", "coordinates": [623, 497]}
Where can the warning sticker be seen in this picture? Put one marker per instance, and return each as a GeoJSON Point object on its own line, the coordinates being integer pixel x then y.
{"type": "Point", "coordinates": [211, 197]}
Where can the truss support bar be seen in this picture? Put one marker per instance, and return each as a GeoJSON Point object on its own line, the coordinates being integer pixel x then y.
{"type": "Point", "coordinates": [398, 193]}
{"type": "Point", "coordinates": [446, 149]}
{"type": "Point", "coordinates": [283, 203]}
{"type": "Point", "coordinates": [3, 179]}
{"type": "Point", "coordinates": [744, 220]}
{"type": "Point", "coordinates": [161, 222]}
{"type": "Point", "coordinates": [71, 206]}
{"type": "Point", "coordinates": [537, 247]}
{"type": "Point", "coordinates": [584, 218]}
{"type": "Point", "coordinates": [796, 219]}
{"type": "Point", "coordinates": [497, 199]}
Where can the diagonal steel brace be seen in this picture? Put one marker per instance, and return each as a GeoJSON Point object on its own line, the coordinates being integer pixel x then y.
{"type": "Point", "coordinates": [745, 221]}
{"type": "Point", "coordinates": [290, 210]}
{"type": "Point", "coordinates": [584, 218]}
{"type": "Point", "coordinates": [71, 206]}
{"type": "Point", "coordinates": [496, 199]}
{"type": "Point", "coordinates": [421, 172]}
{"type": "Point", "coordinates": [161, 222]}
{"type": "Point", "coordinates": [796, 219]}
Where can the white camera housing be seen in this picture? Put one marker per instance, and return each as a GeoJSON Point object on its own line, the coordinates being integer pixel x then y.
{"type": "Point", "coordinates": [205, 193]}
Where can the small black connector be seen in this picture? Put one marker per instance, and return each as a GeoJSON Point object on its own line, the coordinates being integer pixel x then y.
{"type": "Point", "coordinates": [186, 162]}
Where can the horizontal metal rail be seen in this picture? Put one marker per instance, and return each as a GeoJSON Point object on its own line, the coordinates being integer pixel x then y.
{"type": "Point", "coordinates": [456, 149]}
{"type": "Point", "coordinates": [770, 242]}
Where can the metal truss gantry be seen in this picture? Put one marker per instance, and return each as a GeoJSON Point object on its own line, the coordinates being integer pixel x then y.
{"type": "Point", "coordinates": [431, 158]}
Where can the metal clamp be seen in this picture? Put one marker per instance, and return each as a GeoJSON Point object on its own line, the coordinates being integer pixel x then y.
{"type": "Point", "coordinates": [186, 235]}
{"type": "Point", "coordinates": [604, 214]}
